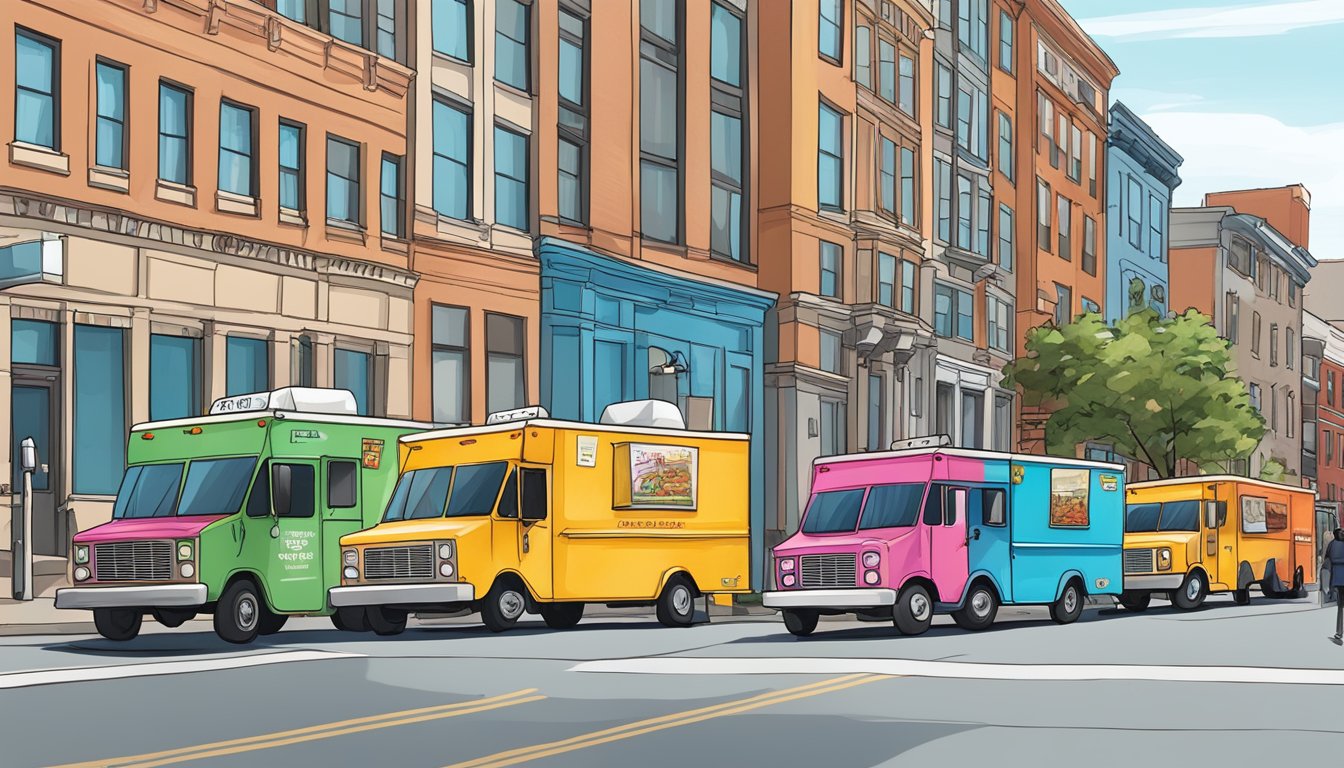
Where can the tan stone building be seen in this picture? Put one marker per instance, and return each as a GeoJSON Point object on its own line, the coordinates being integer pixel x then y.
{"type": "Point", "coordinates": [214, 193]}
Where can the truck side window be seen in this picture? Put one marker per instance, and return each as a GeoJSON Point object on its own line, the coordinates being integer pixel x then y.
{"type": "Point", "coordinates": [342, 479]}
{"type": "Point", "coordinates": [259, 503]}
{"type": "Point", "coordinates": [292, 490]}
{"type": "Point", "coordinates": [994, 509]}
{"type": "Point", "coordinates": [933, 505]}
{"type": "Point", "coordinates": [534, 494]}
{"type": "Point", "coordinates": [957, 500]}
{"type": "Point", "coordinates": [508, 503]}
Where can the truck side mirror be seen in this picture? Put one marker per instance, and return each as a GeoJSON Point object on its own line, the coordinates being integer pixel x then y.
{"type": "Point", "coordinates": [281, 488]}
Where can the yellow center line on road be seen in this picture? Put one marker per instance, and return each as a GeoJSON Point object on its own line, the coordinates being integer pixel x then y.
{"type": "Point", "coordinates": [314, 732]}
{"type": "Point", "coordinates": [629, 730]}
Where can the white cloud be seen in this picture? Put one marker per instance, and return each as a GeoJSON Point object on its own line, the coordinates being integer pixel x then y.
{"type": "Point", "coordinates": [1245, 151]}
{"type": "Point", "coordinates": [1238, 21]}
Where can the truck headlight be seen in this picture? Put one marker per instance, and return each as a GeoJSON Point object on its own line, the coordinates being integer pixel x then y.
{"type": "Point", "coordinates": [188, 570]}
{"type": "Point", "coordinates": [81, 574]}
{"type": "Point", "coordinates": [446, 550]}
{"type": "Point", "coordinates": [1164, 559]}
{"type": "Point", "coordinates": [871, 559]}
{"type": "Point", "coordinates": [446, 569]}
{"type": "Point", "coordinates": [350, 557]}
{"type": "Point", "coordinates": [184, 550]}
{"type": "Point", "coordinates": [81, 553]}
{"type": "Point", "coordinates": [351, 572]}
{"type": "Point", "coordinates": [786, 564]}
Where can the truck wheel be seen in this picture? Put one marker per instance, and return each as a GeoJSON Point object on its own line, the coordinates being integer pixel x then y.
{"type": "Point", "coordinates": [1135, 601]}
{"type": "Point", "coordinates": [1069, 606]}
{"type": "Point", "coordinates": [118, 624]}
{"type": "Point", "coordinates": [913, 612]}
{"type": "Point", "coordinates": [172, 617]}
{"type": "Point", "coordinates": [978, 613]}
{"type": "Point", "coordinates": [676, 605]}
{"type": "Point", "coordinates": [800, 621]}
{"type": "Point", "coordinates": [1192, 592]}
{"type": "Point", "coordinates": [502, 606]}
{"type": "Point", "coordinates": [561, 615]}
{"type": "Point", "coordinates": [351, 619]}
{"type": "Point", "coordinates": [1241, 596]}
{"type": "Point", "coordinates": [238, 613]}
{"type": "Point", "coordinates": [271, 623]}
{"type": "Point", "coordinates": [386, 621]}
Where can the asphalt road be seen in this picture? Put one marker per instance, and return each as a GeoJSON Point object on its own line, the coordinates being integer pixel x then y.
{"type": "Point", "coordinates": [1225, 685]}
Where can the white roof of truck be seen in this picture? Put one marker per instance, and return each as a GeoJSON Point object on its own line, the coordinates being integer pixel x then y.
{"type": "Point", "coordinates": [580, 426]}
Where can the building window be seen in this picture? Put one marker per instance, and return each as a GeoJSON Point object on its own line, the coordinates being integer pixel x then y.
{"type": "Point", "coordinates": [451, 28]}
{"type": "Point", "coordinates": [1043, 214]}
{"type": "Point", "coordinates": [452, 161]}
{"type": "Point", "coordinates": [887, 177]}
{"type": "Point", "coordinates": [886, 71]}
{"type": "Point", "coordinates": [1330, 388]}
{"type": "Point", "coordinates": [511, 44]}
{"type": "Point", "coordinates": [907, 286]}
{"type": "Point", "coordinates": [907, 81]}
{"type": "Point", "coordinates": [236, 138]}
{"type": "Point", "coordinates": [876, 395]}
{"type": "Point", "coordinates": [505, 350]}
{"type": "Point", "coordinates": [352, 371]}
{"type": "Point", "coordinates": [830, 22]}
{"type": "Point", "coordinates": [247, 366]}
{"type": "Point", "coordinates": [727, 137]}
{"type": "Point", "coordinates": [942, 181]}
{"type": "Point", "coordinates": [1091, 164]}
{"type": "Point", "coordinates": [296, 10]}
{"type": "Point", "coordinates": [1005, 146]}
{"type": "Point", "coordinates": [886, 280]}
{"type": "Point", "coordinates": [1005, 41]}
{"type": "Point", "coordinates": [1289, 348]}
{"type": "Point", "coordinates": [964, 213]}
{"type": "Point", "coordinates": [944, 110]}
{"type": "Point", "coordinates": [660, 90]}
{"type": "Point", "coordinates": [174, 377]}
{"type": "Point", "coordinates": [1063, 305]}
{"type": "Point", "coordinates": [174, 134]}
{"type": "Point", "coordinates": [37, 90]}
{"type": "Point", "coordinates": [972, 418]}
{"type": "Point", "coordinates": [944, 402]}
{"type": "Point", "coordinates": [572, 182]}
{"type": "Point", "coordinates": [1090, 306]}
{"type": "Point", "coordinates": [1255, 334]}
{"type": "Point", "coordinates": [386, 28]}
{"type": "Point", "coordinates": [511, 208]}
{"type": "Point", "coordinates": [99, 434]}
{"type": "Point", "coordinates": [346, 21]}
{"type": "Point", "coordinates": [982, 223]}
{"type": "Point", "coordinates": [1273, 344]}
{"type": "Point", "coordinates": [830, 158]}
{"type": "Point", "coordinates": [830, 255]}
{"type": "Point", "coordinates": [342, 180]}
{"type": "Point", "coordinates": [33, 342]}
{"type": "Point", "coordinates": [964, 118]}
{"type": "Point", "coordinates": [831, 351]}
{"type": "Point", "coordinates": [303, 369]}
{"type": "Point", "coordinates": [1292, 292]}
{"type": "Point", "coordinates": [1155, 218]}
{"type": "Point", "coordinates": [450, 365]}
{"type": "Point", "coordinates": [1003, 423]}
{"type": "Point", "coordinates": [1062, 141]}
{"type": "Point", "coordinates": [390, 200]}
{"type": "Point", "coordinates": [908, 196]}
{"type": "Point", "coordinates": [291, 155]}
{"type": "Point", "coordinates": [833, 438]}
{"type": "Point", "coordinates": [1076, 155]}
{"type": "Point", "coordinates": [1134, 212]}
{"type": "Point", "coordinates": [1089, 245]}
{"type": "Point", "coordinates": [1005, 237]}
{"type": "Point", "coordinates": [980, 129]}
{"type": "Point", "coordinates": [953, 312]}
{"type": "Point", "coordinates": [110, 131]}
{"type": "Point", "coordinates": [1000, 332]}
{"type": "Point", "coordinates": [1241, 257]}
{"type": "Point", "coordinates": [1045, 111]}
{"type": "Point", "coordinates": [1065, 228]}
{"type": "Point", "coordinates": [863, 56]}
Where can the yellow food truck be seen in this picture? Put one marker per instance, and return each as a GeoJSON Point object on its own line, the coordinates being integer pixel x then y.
{"type": "Point", "coordinates": [1189, 536]}
{"type": "Point", "coordinates": [529, 513]}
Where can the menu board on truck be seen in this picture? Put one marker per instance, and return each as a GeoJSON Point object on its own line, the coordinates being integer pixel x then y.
{"type": "Point", "coordinates": [655, 477]}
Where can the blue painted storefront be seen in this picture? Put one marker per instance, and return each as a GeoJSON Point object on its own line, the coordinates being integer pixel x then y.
{"type": "Point", "coordinates": [601, 316]}
{"type": "Point", "coordinates": [1141, 176]}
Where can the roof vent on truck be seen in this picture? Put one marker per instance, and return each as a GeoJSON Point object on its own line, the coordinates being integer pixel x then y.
{"type": "Point", "coordinates": [659, 414]}
{"type": "Point", "coordinates": [931, 441]}
{"type": "Point", "coordinates": [517, 414]}
{"type": "Point", "coordinates": [299, 399]}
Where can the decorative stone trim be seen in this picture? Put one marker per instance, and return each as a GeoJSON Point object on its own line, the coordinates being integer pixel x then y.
{"type": "Point", "coordinates": [292, 217]}
{"type": "Point", "coordinates": [227, 202]}
{"type": "Point", "coordinates": [41, 158]}
{"type": "Point", "coordinates": [170, 192]}
{"type": "Point", "coordinates": [113, 179]}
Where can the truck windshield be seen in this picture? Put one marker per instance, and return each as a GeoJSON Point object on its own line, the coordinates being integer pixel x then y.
{"type": "Point", "coordinates": [833, 511]}
{"type": "Point", "coordinates": [1168, 516]}
{"type": "Point", "coordinates": [892, 506]}
{"type": "Point", "coordinates": [148, 490]}
{"type": "Point", "coordinates": [1141, 518]}
{"type": "Point", "coordinates": [419, 494]}
{"type": "Point", "coordinates": [216, 486]}
{"type": "Point", "coordinates": [475, 489]}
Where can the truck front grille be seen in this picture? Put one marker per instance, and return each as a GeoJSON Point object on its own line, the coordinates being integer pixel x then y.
{"type": "Point", "coordinates": [411, 562]}
{"type": "Point", "coordinates": [1138, 561]}
{"type": "Point", "coordinates": [133, 561]}
{"type": "Point", "coordinates": [839, 570]}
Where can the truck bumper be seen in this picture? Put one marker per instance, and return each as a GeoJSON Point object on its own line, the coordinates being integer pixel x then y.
{"type": "Point", "coordinates": [847, 599]}
{"type": "Point", "coordinates": [401, 594]}
{"type": "Point", "coordinates": [1149, 583]}
{"type": "Point", "coordinates": [163, 596]}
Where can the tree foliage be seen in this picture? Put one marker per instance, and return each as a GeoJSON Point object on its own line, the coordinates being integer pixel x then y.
{"type": "Point", "coordinates": [1156, 388]}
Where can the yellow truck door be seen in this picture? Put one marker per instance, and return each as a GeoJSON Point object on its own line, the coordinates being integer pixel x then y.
{"type": "Point", "coordinates": [534, 530]}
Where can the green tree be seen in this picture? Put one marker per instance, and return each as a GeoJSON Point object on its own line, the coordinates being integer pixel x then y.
{"type": "Point", "coordinates": [1156, 388]}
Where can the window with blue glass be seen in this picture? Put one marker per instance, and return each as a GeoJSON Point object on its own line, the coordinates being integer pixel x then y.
{"type": "Point", "coordinates": [953, 312]}
{"type": "Point", "coordinates": [907, 286]}
{"type": "Point", "coordinates": [886, 280]}
{"type": "Point", "coordinates": [292, 185]}
{"type": "Point", "coordinates": [727, 135]}
{"type": "Point", "coordinates": [342, 180]}
{"type": "Point", "coordinates": [110, 130]}
{"type": "Point", "coordinates": [511, 206]}
{"type": "Point", "coordinates": [1063, 304]}
{"type": "Point", "coordinates": [37, 96]}
{"type": "Point", "coordinates": [99, 434]}
{"type": "Point", "coordinates": [174, 377]}
{"type": "Point", "coordinates": [887, 177]}
{"type": "Point", "coordinates": [830, 158]}
{"type": "Point", "coordinates": [353, 371]}
{"type": "Point", "coordinates": [385, 27]}
{"type": "Point", "coordinates": [296, 10]}
{"type": "Point", "coordinates": [505, 366]}
{"type": "Point", "coordinates": [345, 20]}
{"type": "Point", "coordinates": [572, 171]}
{"type": "Point", "coordinates": [451, 28]}
{"type": "Point", "coordinates": [886, 71]}
{"type": "Point", "coordinates": [830, 23]}
{"type": "Point", "coordinates": [452, 158]}
{"type": "Point", "coordinates": [737, 405]}
{"type": "Point", "coordinates": [1005, 41]}
{"type": "Point", "coordinates": [21, 263]}
{"type": "Point", "coordinates": [236, 161]}
{"type": "Point", "coordinates": [908, 196]}
{"type": "Point", "coordinates": [511, 44]}
{"type": "Point", "coordinates": [660, 93]}
{"type": "Point", "coordinates": [1005, 237]}
{"type": "Point", "coordinates": [174, 133]}
{"type": "Point", "coordinates": [391, 207]}
{"type": "Point", "coordinates": [725, 45]}
{"type": "Point", "coordinates": [829, 255]}
{"type": "Point", "coordinates": [33, 342]}
{"type": "Point", "coordinates": [247, 365]}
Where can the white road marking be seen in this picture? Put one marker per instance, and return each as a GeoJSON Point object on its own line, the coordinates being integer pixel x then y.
{"type": "Point", "coordinates": [962, 670]}
{"type": "Point", "coordinates": [153, 668]}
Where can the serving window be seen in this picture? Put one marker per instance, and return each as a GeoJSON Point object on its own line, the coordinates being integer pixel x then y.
{"type": "Point", "coordinates": [655, 477]}
{"type": "Point", "coordinates": [1069, 490]}
{"type": "Point", "coordinates": [1260, 515]}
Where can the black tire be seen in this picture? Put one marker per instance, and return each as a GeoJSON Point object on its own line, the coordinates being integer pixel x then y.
{"type": "Point", "coordinates": [350, 619]}
{"type": "Point", "coordinates": [386, 622]}
{"type": "Point", "coordinates": [1241, 596]}
{"type": "Point", "coordinates": [1136, 602]}
{"type": "Point", "coordinates": [913, 612]}
{"type": "Point", "coordinates": [1069, 607]}
{"type": "Point", "coordinates": [271, 623]}
{"type": "Point", "coordinates": [561, 615]}
{"type": "Point", "coordinates": [676, 605]}
{"type": "Point", "coordinates": [239, 612]}
{"type": "Point", "coordinates": [1192, 593]}
{"type": "Point", "coordinates": [503, 605]}
{"type": "Point", "coordinates": [119, 624]}
{"type": "Point", "coordinates": [800, 621]}
{"type": "Point", "coordinates": [172, 617]}
{"type": "Point", "coordinates": [979, 610]}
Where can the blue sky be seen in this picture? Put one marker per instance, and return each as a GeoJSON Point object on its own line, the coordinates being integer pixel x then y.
{"type": "Point", "coordinates": [1251, 94]}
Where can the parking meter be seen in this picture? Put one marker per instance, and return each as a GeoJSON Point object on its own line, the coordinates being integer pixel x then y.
{"type": "Point", "coordinates": [23, 549]}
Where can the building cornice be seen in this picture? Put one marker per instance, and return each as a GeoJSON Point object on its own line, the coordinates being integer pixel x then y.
{"type": "Point", "coordinates": [1128, 133]}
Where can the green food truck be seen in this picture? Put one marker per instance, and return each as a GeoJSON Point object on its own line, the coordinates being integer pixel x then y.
{"type": "Point", "coordinates": [238, 513]}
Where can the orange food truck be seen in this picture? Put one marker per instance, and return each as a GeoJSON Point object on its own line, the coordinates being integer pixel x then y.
{"type": "Point", "coordinates": [1189, 536]}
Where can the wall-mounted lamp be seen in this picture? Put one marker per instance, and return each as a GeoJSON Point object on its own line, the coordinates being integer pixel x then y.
{"type": "Point", "coordinates": [676, 364]}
